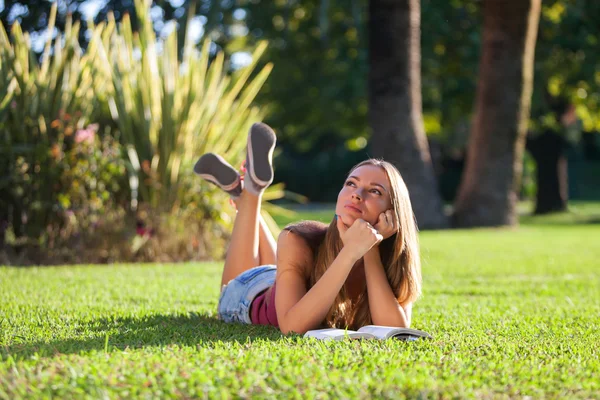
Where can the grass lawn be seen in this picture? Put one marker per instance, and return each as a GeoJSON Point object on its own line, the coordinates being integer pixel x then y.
{"type": "Point", "coordinates": [513, 312]}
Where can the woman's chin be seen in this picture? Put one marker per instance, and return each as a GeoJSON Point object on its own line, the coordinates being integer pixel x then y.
{"type": "Point", "coordinates": [348, 219]}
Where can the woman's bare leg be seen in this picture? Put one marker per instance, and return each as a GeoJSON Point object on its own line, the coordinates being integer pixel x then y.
{"type": "Point", "coordinates": [244, 244]}
{"type": "Point", "coordinates": [267, 246]}
{"type": "Point", "coordinates": [243, 252]}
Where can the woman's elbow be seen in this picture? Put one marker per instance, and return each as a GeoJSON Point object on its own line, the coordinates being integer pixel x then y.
{"type": "Point", "coordinates": [288, 327]}
{"type": "Point", "coordinates": [287, 331]}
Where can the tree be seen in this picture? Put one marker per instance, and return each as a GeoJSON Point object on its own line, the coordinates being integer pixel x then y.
{"type": "Point", "coordinates": [316, 94]}
{"type": "Point", "coordinates": [566, 99]}
{"type": "Point", "coordinates": [548, 150]}
{"type": "Point", "coordinates": [395, 114]}
{"type": "Point", "coordinates": [488, 191]}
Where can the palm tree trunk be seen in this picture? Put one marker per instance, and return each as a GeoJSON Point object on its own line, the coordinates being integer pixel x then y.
{"type": "Point", "coordinates": [395, 106]}
{"type": "Point", "coordinates": [488, 192]}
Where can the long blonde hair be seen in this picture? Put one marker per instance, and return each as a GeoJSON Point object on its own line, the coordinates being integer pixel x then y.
{"type": "Point", "coordinates": [399, 255]}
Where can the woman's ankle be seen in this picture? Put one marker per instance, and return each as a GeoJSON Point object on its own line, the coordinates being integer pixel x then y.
{"type": "Point", "coordinates": [251, 192]}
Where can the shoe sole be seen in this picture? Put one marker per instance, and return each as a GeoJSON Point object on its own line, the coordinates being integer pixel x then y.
{"type": "Point", "coordinates": [261, 143]}
{"type": "Point", "coordinates": [215, 169]}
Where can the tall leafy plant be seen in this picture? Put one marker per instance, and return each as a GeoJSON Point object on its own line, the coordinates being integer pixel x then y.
{"type": "Point", "coordinates": [42, 104]}
{"type": "Point", "coordinates": [169, 111]}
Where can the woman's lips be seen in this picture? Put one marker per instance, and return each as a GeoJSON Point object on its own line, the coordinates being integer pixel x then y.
{"type": "Point", "coordinates": [352, 208]}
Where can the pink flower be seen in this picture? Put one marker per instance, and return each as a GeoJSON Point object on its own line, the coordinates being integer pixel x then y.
{"type": "Point", "coordinates": [85, 135]}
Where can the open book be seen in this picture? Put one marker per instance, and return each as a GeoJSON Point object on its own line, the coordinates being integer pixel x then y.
{"type": "Point", "coordinates": [368, 332]}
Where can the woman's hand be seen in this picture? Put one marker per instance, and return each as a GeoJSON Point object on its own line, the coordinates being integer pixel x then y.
{"type": "Point", "coordinates": [387, 224]}
{"type": "Point", "coordinates": [359, 238]}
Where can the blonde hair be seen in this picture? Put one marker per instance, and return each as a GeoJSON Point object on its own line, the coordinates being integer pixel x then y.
{"type": "Point", "coordinates": [399, 255]}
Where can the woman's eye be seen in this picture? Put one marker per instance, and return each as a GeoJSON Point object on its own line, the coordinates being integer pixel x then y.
{"type": "Point", "coordinates": [377, 192]}
{"type": "Point", "coordinates": [350, 183]}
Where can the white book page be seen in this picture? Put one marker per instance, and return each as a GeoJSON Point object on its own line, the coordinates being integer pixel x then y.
{"type": "Point", "coordinates": [330, 333]}
{"type": "Point", "coordinates": [336, 334]}
{"type": "Point", "coordinates": [381, 332]}
{"type": "Point", "coordinates": [384, 332]}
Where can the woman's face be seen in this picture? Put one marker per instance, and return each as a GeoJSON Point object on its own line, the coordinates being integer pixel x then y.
{"type": "Point", "coordinates": [365, 195]}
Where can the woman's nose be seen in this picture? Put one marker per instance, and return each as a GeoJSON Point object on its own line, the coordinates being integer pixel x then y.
{"type": "Point", "coordinates": [357, 195]}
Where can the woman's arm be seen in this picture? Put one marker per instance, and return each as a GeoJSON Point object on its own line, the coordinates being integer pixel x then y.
{"type": "Point", "coordinates": [298, 310]}
{"type": "Point", "coordinates": [383, 305]}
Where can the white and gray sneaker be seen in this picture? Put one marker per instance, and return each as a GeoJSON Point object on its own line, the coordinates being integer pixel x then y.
{"type": "Point", "coordinates": [216, 170]}
{"type": "Point", "coordinates": [259, 158]}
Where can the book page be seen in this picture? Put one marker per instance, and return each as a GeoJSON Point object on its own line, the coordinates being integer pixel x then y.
{"type": "Point", "coordinates": [385, 332]}
{"type": "Point", "coordinates": [337, 334]}
{"type": "Point", "coordinates": [330, 333]}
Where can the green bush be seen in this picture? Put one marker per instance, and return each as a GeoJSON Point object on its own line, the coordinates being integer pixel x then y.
{"type": "Point", "coordinates": [97, 145]}
{"type": "Point", "coordinates": [47, 103]}
{"type": "Point", "coordinates": [170, 111]}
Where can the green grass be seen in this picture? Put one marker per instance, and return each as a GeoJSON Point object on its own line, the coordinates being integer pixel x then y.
{"type": "Point", "coordinates": [513, 312]}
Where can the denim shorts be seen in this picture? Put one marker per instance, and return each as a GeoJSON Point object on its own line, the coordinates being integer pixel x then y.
{"type": "Point", "coordinates": [237, 296]}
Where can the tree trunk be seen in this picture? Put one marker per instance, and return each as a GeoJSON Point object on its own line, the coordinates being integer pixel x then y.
{"type": "Point", "coordinates": [395, 115]}
{"type": "Point", "coordinates": [488, 192]}
{"type": "Point", "coordinates": [548, 150]}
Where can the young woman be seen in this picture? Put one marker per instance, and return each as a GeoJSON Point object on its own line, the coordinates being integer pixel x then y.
{"type": "Point", "coordinates": [363, 268]}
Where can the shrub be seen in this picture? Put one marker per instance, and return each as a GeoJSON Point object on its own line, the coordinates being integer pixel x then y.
{"type": "Point", "coordinates": [170, 111]}
{"type": "Point", "coordinates": [47, 103]}
{"type": "Point", "coordinates": [67, 183]}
